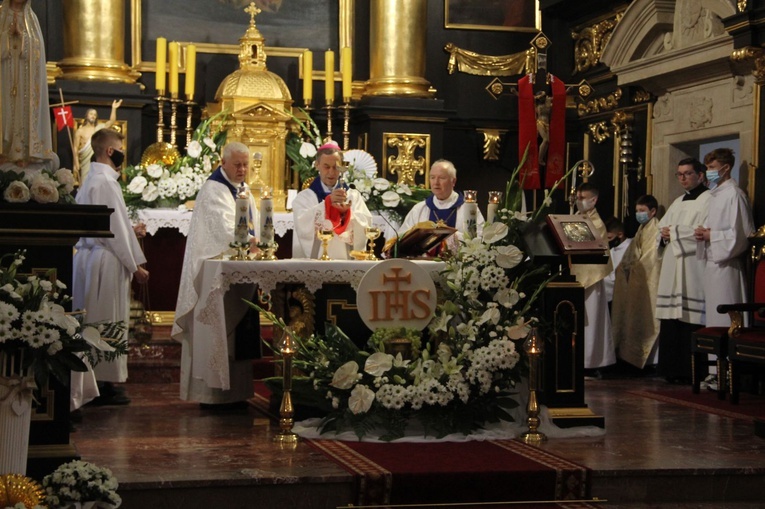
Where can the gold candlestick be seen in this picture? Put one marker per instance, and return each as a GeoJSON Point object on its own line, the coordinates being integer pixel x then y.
{"type": "Point", "coordinates": [286, 410]}
{"type": "Point", "coordinates": [330, 112]}
{"type": "Point", "coordinates": [534, 347]}
{"type": "Point", "coordinates": [161, 116]}
{"type": "Point", "coordinates": [346, 123]}
{"type": "Point", "coordinates": [189, 111]}
{"type": "Point", "coordinates": [174, 101]}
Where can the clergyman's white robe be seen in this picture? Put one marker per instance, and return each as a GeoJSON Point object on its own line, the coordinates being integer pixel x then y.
{"type": "Point", "coordinates": [210, 233]}
{"type": "Point", "coordinates": [308, 212]}
{"type": "Point", "coordinates": [103, 268]}
{"type": "Point", "coordinates": [681, 293]}
{"type": "Point", "coordinates": [420, 212]}
{"type": "Point", "coordinates": [616, 257]}
{"type": "Point", "coordinates": [730, 223]}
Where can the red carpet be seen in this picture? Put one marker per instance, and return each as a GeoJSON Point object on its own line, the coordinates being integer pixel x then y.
{"type": "Point", "coordinates": [749, 407]}
{"type": "Point", "coordinates": [449, 472]}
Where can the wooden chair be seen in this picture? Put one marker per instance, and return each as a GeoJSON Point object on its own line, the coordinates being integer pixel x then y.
{"type": "Point", "coordinates": [706, 341]}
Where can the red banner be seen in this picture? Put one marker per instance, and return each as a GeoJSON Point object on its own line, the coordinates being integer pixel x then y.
{"type": "Point", "coordinates": [64, 117]}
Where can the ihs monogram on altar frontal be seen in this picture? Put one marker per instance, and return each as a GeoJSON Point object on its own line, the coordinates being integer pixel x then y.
{"type": "Point", "coordinates": [396, 293]}
{"type": "Point", "coordinates": [398, 299]}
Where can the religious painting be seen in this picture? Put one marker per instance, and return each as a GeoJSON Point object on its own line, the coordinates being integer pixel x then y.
{"type": "Point", "coordinates": [500, 15]}
{"type": "Point", "coordinates": [215, 26]}
{"type": "Point", "coordinates": [575, 234]}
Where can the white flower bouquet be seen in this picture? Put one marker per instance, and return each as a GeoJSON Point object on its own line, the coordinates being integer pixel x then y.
{"type": "Point", "coordinates": [302, 144]}
{"type": "Point", "coordinates": [41, 186]}
{"type": "Point", "coordinates": [386, 197]}
{"type": "Point", "coordinates": [157, 185]}
{"type": "Point", "coordinates": [83, 485]}
{"type": "Point", "coordinates": [37, 331]}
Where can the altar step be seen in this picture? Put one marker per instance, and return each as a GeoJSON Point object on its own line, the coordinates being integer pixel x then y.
{"type": "Point", "coordinates": [159, 360]}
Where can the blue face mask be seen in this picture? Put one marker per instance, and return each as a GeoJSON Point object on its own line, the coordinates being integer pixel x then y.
{"type": "Point", "coordinates": [642, 217]}
{"type": "Point", "coordinates": [713, 176]}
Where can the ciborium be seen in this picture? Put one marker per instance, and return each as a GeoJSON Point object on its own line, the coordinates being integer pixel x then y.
{"type": "Point", "coordinates": [372, 233]}
{"type": "Point", "coordinates": [325, 235]}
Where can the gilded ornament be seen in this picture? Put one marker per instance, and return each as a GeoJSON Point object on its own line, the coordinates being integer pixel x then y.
{"type": "Point", "coordinates": [491, 143]}
{"type": "Point", "coordinates": [600, 104]}
{"type": "Point", "coordinates": [18, 489]}
{"type": "Point", "coordinates": [405, 163]}
{"type": "Point", "coordinates": [541, 41]}
{"type": "Point", "coordinates": [590, 42]}
{"type": "Point", "coordinates": [641, 96]}
{"type": "Point", "coordinates": [470, 62]}
{"type": "Point", "coordinates": [600, 131]}
{"type": "Point", "coordinates": [160, 153]}
{"type": "Point", "coordinates": [754, 57]}
{"type": "Point", "coordinates": [741, 4]}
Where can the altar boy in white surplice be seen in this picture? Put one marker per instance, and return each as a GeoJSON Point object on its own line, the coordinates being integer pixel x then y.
{"type": "Point", "coordinates": [329, 200]}
{"type": "Point", "coordinates": [210, 233]}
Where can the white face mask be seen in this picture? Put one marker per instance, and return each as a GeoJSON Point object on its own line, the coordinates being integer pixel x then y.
{"type": "Point", "coordinates": [585, 205]}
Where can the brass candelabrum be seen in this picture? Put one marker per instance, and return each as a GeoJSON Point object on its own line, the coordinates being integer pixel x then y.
{"type": "Point", "coordinates": [286, 410]}
{"type": "Point", "coordinates": [346, 107]}
{"type": "Point", "coordinates": [161, 116]}
{"type": "Point", "coordinates": [330, 107]}
{"type": "Point", "coordinates": [189, 113]}
{"type": "Point", "coordinates": [534, 347]}
{"type": "Point", "coordinates": [174, 102]}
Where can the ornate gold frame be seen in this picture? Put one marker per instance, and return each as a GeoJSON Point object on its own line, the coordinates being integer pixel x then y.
{"type": "Point", "coordinates": [495, 28]}
{"type": "Point", "coordinates": [345, 38]}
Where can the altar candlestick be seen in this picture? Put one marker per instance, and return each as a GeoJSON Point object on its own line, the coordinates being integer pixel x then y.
{"type": "Point", "coordinates": [242, 216]}
{"type": "Point", "coordinates": [491, 209]}
{"type": "Point", "coordinates": [159, 77]}
{"type": "Point", "coordinates": [471, 212]}
{"type": "Point", "coordinates": [329, 76]}
{"type": "Point", "coordinates": [307, 76]}
{"type": "Point", "coordinates": [191, 68]}
{"type": "Point", "coordinates": [266, 217]}
{"type": "Point", "coordinates": [347, 63]}
{"type": "Point", "coordinates": [172, 85]}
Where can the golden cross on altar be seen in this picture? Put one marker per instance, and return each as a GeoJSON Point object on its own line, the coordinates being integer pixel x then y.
{"type": "Point", "coordinates": [253, 11]}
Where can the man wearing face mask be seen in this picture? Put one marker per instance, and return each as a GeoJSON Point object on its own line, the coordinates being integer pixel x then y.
{"type": "Point", "coordinates": [598, 343]}
{"type": "Point", "coordinates": [634, 324]}
{"type": "Point", "coordinates": [722, 239]}
{"type": "Point", "coordinates": [103, 267]}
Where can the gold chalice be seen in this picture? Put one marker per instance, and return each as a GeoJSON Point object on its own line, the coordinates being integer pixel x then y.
{"type": "Point", "coordinates": [325, 234]}
{"type": "Point", "coordinates": [371, 232]}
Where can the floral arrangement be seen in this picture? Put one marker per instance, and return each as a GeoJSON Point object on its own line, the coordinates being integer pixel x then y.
{"type": "Point", "coordinates": [40, 187]}
{"type": "Point", "coordinates": [157, 185]}
{"type": "Point", "coordinates": [35, 328]}
{"type": "Point", "coordinates": [386, 197]}
{"type": "Point", "coordinates": [81, 482]}
{"type": "Point", "coordinates": [301, 152]}
{"type": "Point", "coordinates": [461, 374]}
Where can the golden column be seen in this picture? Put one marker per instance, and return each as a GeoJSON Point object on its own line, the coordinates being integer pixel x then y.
{"type": "Point", "coordinates": [397, 40]}
{"type": "Point", "coordinates": [94, 42]}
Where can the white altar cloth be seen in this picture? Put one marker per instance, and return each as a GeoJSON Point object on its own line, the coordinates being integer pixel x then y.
{"type": "Point", "coordinates": [220, 307]}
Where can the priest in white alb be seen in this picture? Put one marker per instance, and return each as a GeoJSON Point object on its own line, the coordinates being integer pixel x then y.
{"type": "Point", "coordinates": [206, 375]}
{"type": "Point", "coordinates": [329, 203]}
{"type": "Point", "coordinates": [680, 298]}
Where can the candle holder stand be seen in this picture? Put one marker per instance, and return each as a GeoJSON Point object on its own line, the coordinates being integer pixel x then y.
{"type": "Point", "coordinates": [346, 107]}
{"type": "Point", "coordinates": [286, 409]}
{"type": "Point", "coordinates": [330, 107]}
{"type": "Point", "coordinates": [534, 347]}
{"type": "Point", "coordinates": [189, 113]}
{"type": "Point", "coordinates": [268, 251]}
{"type": "Point", "coordinates": [240, 251]}
{"type": "Point", "coordinates": [174, 102]}
{"type": "Point", "coordinates": [161, 116]}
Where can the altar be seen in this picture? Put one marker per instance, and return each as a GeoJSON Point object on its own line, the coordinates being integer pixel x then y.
{"type": "Point", "coordinates": [224, 283]}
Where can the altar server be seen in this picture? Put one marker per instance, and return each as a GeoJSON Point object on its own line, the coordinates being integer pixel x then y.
{"type": "Point", "coordinates": [634, 325]}
{"type": "Point", "coordinates": [444, 204]}
{"type": "Point", "coordinates": [210, 233]}
{"type": "Point", "coordinates": [680, 299]}
{"type": "Point", "coordinates": [722, 239]}
{"type": "Point", "coordinates": [598, 343]}
{"type": "Point", "coordinates": [329, 201]}
{"type": "Point", "coordinates": [103, 267]}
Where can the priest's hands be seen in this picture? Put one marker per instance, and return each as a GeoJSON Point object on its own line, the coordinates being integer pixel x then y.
{"type": "Point", "coordinates": [701, 233]}
{"type": "Point", "coordinates": [141, 276]}
{"type": "Point", "coordinates": [254, 249]}
{"type": "Point", "coordinates": [665, 233]}
{"type": "Point", "coordinates": [140, 230]}
{"type": "Point", "coordinates": [339, 200]}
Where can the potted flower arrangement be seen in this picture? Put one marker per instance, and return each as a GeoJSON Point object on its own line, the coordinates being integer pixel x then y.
{"type": "Point", "coordinates": [41, 186]}
{"type": "Point", "coordinates": [157, 185]}
{"type": "Point", "coordinates": [81, 485]}
{"type": "Point", "coordinates": [39, 338]}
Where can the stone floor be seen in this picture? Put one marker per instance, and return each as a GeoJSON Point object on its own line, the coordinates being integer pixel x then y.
{"type": "Point", "coordinates": [169, 453]}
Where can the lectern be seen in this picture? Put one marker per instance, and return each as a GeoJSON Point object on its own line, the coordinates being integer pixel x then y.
{"type": "Point", "coordinates": [562, 304]}
{"type": "Point", "coordinates": [48, 233]}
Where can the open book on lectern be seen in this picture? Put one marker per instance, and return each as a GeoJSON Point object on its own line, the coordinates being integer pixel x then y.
{"type": "Point", "coordinates": [418, 240]}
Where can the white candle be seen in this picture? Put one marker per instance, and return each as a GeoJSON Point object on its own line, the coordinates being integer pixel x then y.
{"type": "Point", "coordinates": [242, 216]}
{"type": "Point", "coordinates": [493, 205]}
{"type": "Point", "coordinates": [266, 218]}
{"type": "Point", "coordinates": [471, 213]}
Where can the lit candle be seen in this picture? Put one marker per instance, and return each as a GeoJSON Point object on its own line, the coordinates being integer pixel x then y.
{"type": "Point", "coordinates": [161, 65]}
{"type": "Point", "coordinates": [329, 76]}
{"type": "Point", "coordinates": [307, 76]}
{"type": "Point", "coordinates": [491, 209]}
{"type": "Point", "coordinates": [242, 216]}
{"type": "Point", "coordinates": [191, 70]}
{"type": "Point", "coordinates": [266, 217]}
{"type": "Point", "coordinates": [347, 63]}
{"type": "Point", "coordinates": [471, 213]}
{"type": "Point", "coordinates": [172, 85]}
